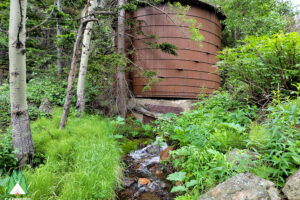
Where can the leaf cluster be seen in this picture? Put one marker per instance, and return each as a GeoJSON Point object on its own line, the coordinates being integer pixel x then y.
{"type": "Point", "coordinates": [253, 17]}
{"type": "Point", "coordinates": [261, 65]}
{"type": "Point", "coordinates": [8, 159]}
{"type": "Point", "coordinates": [277, 139]}
{"type": "Point", "coordinates": [205, 136]}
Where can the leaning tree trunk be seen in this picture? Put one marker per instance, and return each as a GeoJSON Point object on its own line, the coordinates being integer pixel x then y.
{"type": "Point", "coordinates": [59, 48]}
{"type": "Point", "coordinates": [121, 79]}
{"type": "Point", "coordinates": [1, 76]}
{"type": "Point", "coordinates": [21, 133]}
{"type": "Point", "coordinates": [72, 74]}
{"type": "Point", "coordinates": [84, 61]}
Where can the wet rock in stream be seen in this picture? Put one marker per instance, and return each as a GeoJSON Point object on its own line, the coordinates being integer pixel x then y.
{"type": "Point", "coordinates": [145, 176]}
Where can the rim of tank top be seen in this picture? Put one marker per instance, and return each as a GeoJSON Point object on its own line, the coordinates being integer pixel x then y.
{"type": "Point", "coordinates": [216, 9]}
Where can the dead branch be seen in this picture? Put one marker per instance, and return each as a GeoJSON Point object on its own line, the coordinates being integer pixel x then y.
{"type": "Point", "coordinates": [89, 20]}
{"type": "Point", "coordinates": [103, 12]}
{"type": "Point", "coordinates": [162, 11]}
{"type": "Point", "coordinates": [4, 31]}
{"type": "Point", "coordinates": [133, 105]}
{"type": "Point", "coordinates": [45, 20]}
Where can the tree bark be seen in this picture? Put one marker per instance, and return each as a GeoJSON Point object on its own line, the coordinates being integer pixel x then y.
{"type": "Point", "coordinates": [80, 104]}
{"type": "Point", "coordinates": [21, 133]}
{"type": "Point", "coordinates": [121, 79]}
{"type": "Point", "coordinates": [59, 48]}
{"type": "Point", "coordinates": [72, 74]}
{"type": "Point", "coordinates": [1, 76]}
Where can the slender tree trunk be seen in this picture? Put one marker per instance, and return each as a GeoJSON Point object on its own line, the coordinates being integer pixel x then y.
{"type": "Point", "coordinates": [121, 79]}
{"type": "Point", "coordinates": [235, 36]}
{"type": "Point", "coordinates": [1, 76]}
{"type": "Point", "coordinates": [84, 61]}
{"type": "Point", "coordinates": [21, 133]}
{"type": "Point", "coordinates": [59, 49]}
{"type": "Point", "coordinates": [72, 74]}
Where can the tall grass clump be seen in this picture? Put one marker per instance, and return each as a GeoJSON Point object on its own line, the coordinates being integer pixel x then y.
{"type": "Point", "coordinates": [81, 161]}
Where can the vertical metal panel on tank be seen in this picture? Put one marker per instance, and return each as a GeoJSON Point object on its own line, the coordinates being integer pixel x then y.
{"type": "Point", "coordinates": [189, 73]}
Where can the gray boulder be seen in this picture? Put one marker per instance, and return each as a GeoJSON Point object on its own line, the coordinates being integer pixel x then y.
{"type": "Point", "coordinates": [244, 186]}
{"type": "Point", "coordinates": [242, 157]}
{"type": "Point", "coordinates": [46, 106]}
{"type": "Point", "coordinates": [291, 188]}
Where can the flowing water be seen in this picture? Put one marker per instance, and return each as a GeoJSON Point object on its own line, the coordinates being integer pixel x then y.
{"type": "Point", "coordinates": [145, 177]}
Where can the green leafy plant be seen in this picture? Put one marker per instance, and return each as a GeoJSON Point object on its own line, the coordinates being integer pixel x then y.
{"type": "Point", "coordinates": [4, 106]}
{"type": "Point", "coordinates": [8, 160]}
{"type": "Point", "coordinates": [277, 139]}
{"type": "Point", "coordinates": [261, 65]}
{"type": "Point", "coordinates": [132, 128]}
{"type": "Point", "coordinates": [41, 88]}
{"type": "Point", "coordinates": [202, 168]}
{"type": "Point", "coordinates": [193, 25]}
{"type": "Point", "coordinates": [205, 136]}
{"type": "Point", "coordinates": [180, 177]}
{"type": "Point", "coordinates": [253, 17]}
{"type": "Point", "coordinates": [219, 121]}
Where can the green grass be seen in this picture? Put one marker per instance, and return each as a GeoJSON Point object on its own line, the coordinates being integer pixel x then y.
{"type": "Point", "coordinates": [81, 161]}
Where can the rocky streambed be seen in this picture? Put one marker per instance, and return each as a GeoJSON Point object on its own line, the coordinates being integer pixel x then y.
{"type": "Point", "coordinates": [145, 179]}
{"type": "Point", "coordinates": [144, 175]}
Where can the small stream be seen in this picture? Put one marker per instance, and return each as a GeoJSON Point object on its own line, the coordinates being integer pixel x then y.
{"type": "Point", "coordinates": [144, 176]}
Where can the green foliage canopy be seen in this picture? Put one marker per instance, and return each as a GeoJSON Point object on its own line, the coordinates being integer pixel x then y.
{"type": "Point", "coordinates": [261, 65]}
{"type": "Point", "coordinates": [253, 17]}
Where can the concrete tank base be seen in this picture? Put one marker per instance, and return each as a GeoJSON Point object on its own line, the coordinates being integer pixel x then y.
{"type": "Point", "coordinates": [155, 107]}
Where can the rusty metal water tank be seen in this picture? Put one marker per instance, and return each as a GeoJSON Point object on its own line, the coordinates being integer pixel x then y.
{"type": "Point", "coordinates": [186, 75]}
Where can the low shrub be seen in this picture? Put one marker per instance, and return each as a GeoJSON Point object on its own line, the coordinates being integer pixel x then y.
{"type": "Point", "coordinates": [261, 65]}
{"type": "Point", "coordinates": [278, 139]}
{"type": "Point", "coordinates": [205, 136]}
{"type": "Point", "coordinates": [133, 128]}
{"type": "Point", "coordinates": [219, 121]}
{"type": "Point", "coordinates": [131, 134]}
{"type": "Point", "coordinates": [8, 160]}
{"type": "Point", "coordinates": [49, 87]}
{"type": "Point", "coordinates": [4, 106]}
{"type": "Point", "coordinates": [81, 161]}
{"type": "Point", "coordinates": [37, 89]}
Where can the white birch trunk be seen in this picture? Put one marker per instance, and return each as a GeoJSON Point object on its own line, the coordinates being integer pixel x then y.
{"type": "Point", "coordinates": [72, 74]}
{"type": "Point", "coordinates": [121, 79]}
{"type": "Point", "coordinates": [21, 133]}
{"type": "Point", "coordinates": [59, 49]}
{"type": "Point", "coordinates": [86, 46]}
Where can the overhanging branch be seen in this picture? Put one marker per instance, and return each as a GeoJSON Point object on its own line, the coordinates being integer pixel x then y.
{"type": "Point", "coordinates": [45, 20]}
{"type": "Point", "coordinates": [3, 31]}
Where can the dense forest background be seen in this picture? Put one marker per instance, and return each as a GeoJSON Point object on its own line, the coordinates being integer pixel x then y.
{"type": "Point", "coordinates": [256, 109]}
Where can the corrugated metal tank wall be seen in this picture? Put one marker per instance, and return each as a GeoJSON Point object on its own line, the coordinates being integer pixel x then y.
{"type": "Point", "coordinates": [185, 75]}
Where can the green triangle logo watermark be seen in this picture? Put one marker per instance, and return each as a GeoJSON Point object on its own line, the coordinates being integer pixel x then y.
{"type": "Point", "coordinates": [17, 184]}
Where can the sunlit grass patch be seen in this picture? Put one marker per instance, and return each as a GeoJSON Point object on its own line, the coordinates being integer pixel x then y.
{"type": "Point", "coordinates": [81, 161]}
